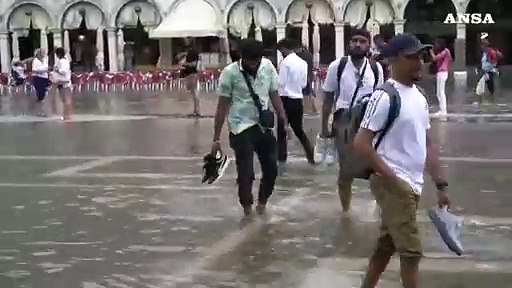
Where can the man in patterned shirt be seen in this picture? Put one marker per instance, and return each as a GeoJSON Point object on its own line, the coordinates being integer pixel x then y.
{"type": "Point", "coordinates": [247, 133]}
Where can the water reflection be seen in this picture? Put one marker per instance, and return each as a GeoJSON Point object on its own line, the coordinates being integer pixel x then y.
{"type": "Point", "coordinates": [193, 135]}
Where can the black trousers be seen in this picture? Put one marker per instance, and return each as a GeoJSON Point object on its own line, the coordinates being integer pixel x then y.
{"type": "Point", "coordinates": [294, 110]}
{"type": "Point", "coordinates": [490, 83]}
{"type": "Point", "coordinates": [263, 143]}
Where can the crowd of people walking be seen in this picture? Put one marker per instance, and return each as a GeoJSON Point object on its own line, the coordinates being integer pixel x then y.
{"type": "Point", "coordinates": [381, 131]}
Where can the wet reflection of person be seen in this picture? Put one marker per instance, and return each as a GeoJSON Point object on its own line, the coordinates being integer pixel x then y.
{"type": "Point", "coordinates": [248, 132]}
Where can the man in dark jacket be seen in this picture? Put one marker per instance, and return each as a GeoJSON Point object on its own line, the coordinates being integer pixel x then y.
{"type": "Point", "coordinates": [308, 91]}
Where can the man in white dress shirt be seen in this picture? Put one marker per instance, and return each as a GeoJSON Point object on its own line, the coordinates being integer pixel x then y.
{"type": "Point", "coordinates": [293, 78]}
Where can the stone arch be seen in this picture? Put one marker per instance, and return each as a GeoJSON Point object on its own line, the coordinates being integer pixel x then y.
{"type": "Point", "coordinates": [382, 4]}
{"type": "Point", "coordinates": [265, 15]}
{"type": "Point", "coordinates": [455, 8]}
{"type": "Point", "coordinates": [18, 18]}
{"type": "Point", "coordinates": [212, 3]}
{"type": "Point", "coordinates": [234, 3]}
{"type": "Point", "coordinates": [125, 14]}
{"type": "Point", "coordinates": [94, 17]}
{"type": "Point", "coordinates": [324, 10]}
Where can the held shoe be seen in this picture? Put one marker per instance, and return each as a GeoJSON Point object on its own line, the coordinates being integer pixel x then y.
{"type": "Point", "coordinates": [214, 167]}
{"type": "Point", "coordinates": [449, 227]}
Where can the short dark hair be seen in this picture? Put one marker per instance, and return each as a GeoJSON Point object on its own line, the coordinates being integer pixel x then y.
{"type": "Point", "coordinates": [251, 49]}
{"type": "Point", "coordinates": [441, 43]}
{"type": "Point", "coordinates": [287, 43]}
{"type": "Point", "coordinates": [60, 52]}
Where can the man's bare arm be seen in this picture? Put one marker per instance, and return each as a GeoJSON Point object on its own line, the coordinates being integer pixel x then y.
{"type": "Point", "coordinates": [363, 146]}
{"type": "Point", "coordinates": [327, 105]}
{"type": "Point", "coordinates": [275, 99]}
{"type": "Point", "coordinates": [220, 116]}
{"type": "Point", "coordinates": [433, 164]}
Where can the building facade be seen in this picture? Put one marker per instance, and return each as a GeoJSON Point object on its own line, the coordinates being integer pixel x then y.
{"type": "Point", "coordinates": [93, 31]}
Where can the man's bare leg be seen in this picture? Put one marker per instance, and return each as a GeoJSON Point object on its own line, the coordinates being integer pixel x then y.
{"type": "Point", "coordinates": [409, 267]}
{"type": "Point", "coordinates": [379, 261]}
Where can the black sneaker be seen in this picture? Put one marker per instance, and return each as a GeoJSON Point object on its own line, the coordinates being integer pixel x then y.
{"type": "Point", "coordinates": [214, 167]}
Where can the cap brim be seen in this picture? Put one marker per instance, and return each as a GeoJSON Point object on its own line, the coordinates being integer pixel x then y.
{"type": "Point", "coordinates": [418, 49]}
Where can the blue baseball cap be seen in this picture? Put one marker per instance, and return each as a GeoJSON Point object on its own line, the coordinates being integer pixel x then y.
{"type": "Point", "coordinates": [404, 43]}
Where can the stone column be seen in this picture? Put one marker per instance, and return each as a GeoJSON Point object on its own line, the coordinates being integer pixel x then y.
{"type": "Point", "coordinates": [44, 40]}
{"type": "Point", "coordinates": [316, 45]}
{"type": "Point", "coordinates": [67, 45]}
{"type": "Point", "coordinates": [5, 57]}
{"type": "Point", "coordinates": [120, 50]}
{"type": "Point", "coordinates": [100, 56]}
{"type": "Point", "coordinates": [373, 27]}
{"type": "Point", "coordinates": [165, 45]}
{"type": "Point", "coordinates": [399, 26]}
{"type": "Point", "coordinates": [339, 36]}
{"type": "Point", "coordinates": [305, 33]}
{"type": "Point", "coordinates": [460, 73]}
{"type": "Point", "coordinates": [15, 46]}
{"type": "Point", "coordinates": [57, 37]}
{"type": "Point", "coordinates": [281, 34]}
{"type": "Point", "coordinates": [112, 49]}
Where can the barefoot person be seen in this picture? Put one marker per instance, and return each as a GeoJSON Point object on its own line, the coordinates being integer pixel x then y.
{"type": "Point", "coordinates": [40, 79]}
{"type": "Point", "coordinates": [62, 78]}
{"type": "Point", "coordinates": [398, 163]}
{"type": "Point", "coordinates": [246, 90]}
{"type": "Point", "coordinates": [189, 60]}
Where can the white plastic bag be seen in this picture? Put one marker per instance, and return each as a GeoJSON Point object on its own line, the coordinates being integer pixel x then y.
{"type": "Point", "coordinates": [480, 86]}
{"type": "Point", "coordinates": [449, 227]}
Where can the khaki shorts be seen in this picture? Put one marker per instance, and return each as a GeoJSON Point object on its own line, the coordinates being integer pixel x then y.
{"type": "Point", "coordinates": [341, 129]}
{"type": "Point", "coordinates": [399, 228]}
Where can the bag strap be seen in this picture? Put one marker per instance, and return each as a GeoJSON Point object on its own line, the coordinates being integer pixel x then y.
{"type": "Point", "coordinates": [253, 94]}
{"type": "Point", "coordinates": [341, 67]}
{"type": "Point", "coordinates": [395, 103]}
{"type": "Point", "coordinates": [375, 69]}
{"type": "Point", "coordinates": [359, 84]}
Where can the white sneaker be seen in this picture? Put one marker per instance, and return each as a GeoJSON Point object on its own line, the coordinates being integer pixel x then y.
{"type": "Point", "coordinates": [320, 149]}
{"type": "Point", "coordinates": [330, 154]}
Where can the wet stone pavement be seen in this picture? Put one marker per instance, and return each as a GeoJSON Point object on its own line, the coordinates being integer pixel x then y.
{"type": "Point", "coordinates": [113, 199]}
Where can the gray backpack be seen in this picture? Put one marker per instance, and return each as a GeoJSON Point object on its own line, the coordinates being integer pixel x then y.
{"type": "Point", "coordinates": [359, 167]}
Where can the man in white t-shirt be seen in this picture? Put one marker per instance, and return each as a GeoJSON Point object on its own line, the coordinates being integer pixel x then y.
{"type": "Point", "coordinates": [346, 88]}
{"type": "Point", "coordinates": [399, 162]}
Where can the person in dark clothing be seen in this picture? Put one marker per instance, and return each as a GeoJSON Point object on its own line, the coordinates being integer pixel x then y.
{"type": "Point", "coordinates": [246, 90]}
{"type": "Point", "coordinates": [188, 62]}
{"type": "Point", "coordinates": [308, 91]}
{"type": "Point", "coordinates": [293, 78]}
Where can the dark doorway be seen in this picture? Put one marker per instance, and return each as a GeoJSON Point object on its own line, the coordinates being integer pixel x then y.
{"type": "Point", "coordinates": [500, 33]}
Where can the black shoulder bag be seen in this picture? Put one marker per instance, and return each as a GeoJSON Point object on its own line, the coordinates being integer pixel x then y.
{"type": "Point", "coordinates": [265, 116]}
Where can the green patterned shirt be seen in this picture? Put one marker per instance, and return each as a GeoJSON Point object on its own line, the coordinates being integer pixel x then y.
{"type": "Point", "coordinates": [243, 113]}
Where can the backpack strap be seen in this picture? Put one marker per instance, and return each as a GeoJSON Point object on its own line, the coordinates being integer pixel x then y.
{"type": "Point", "coordinates": [375, 69]}
{"type": "Point", "coordinates": [343, 63]}
{"type": "Point", "coordinates": [341, 67]}
{"type": "Point", "coordinates": [395, 102]}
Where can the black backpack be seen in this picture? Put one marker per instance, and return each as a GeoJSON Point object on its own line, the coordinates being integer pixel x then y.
{"type": "Point", "coordinates": [360, 167]}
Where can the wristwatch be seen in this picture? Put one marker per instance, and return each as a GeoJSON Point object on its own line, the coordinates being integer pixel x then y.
{"type": "Point", "coordinates": [441, 185]}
